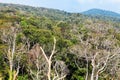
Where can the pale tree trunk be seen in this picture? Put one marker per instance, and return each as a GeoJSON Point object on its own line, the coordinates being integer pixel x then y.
{"type": "Point", "coordinates": [16, 73]}
{"type": "Point", "coordinates": [49, 71]}
{"type": "Point", "coordinates": [92, 75]}
{"type": "Point", "coordinates": [11, 56]}
{"type": "Point", "coordinates": [93, 65]}
{"type": "Point", "coordinates": [49, 60]}
{"type": "Point", "coordinates": [97, 76]}
{"type": "Point", "coordinates": [86, 77]}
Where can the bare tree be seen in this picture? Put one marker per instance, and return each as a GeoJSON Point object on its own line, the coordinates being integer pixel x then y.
{"type": "Point", "coordinates": [8, 37]}
{"type": "Point", "coordinates": [60, 70]}
{"type": "Point", "coordinates": [44, 65]}
{"type": "Point", "coordinates": [98, 51]}
{"type": "Point", "coordinates": [37, 63]}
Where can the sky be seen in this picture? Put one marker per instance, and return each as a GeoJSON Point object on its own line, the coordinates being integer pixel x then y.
{"type": "Point", "coordinates": [71, 5]}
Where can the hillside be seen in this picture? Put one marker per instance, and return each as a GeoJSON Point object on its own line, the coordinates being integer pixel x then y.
{"type": "Point", "coordinates": [102, 13]}
{"type": "Point", "coordinates": [48, 44]}
{"type": "Point", "coordinates": [37, 11]}
{"type": "Point", "coordinates": [61, 15]}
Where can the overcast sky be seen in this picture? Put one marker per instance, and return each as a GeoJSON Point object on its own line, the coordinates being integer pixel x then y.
{"type": "Point", "coordinates": [71, 5]}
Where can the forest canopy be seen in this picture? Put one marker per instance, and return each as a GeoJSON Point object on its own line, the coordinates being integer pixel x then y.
{"type": "Point", "coordinates": [49, 44]}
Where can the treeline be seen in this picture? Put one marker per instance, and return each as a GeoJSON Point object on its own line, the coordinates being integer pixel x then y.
{"type": "Point", "coordinates": [55, 47]}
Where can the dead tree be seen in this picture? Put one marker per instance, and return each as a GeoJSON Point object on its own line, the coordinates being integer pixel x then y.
{"type": "Point", "coordinates": [43, 64]}
{"type": "Point", "coordinates": [8, 37]}
{"type": "Point", "coordinates": [98, 52]}
{"type": "Point", "coordinates": [60, 70]}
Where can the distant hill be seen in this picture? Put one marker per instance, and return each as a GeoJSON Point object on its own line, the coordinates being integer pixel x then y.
{"type": "Point", "coordinates": [56, 14]}
{"type": "Point", "coordinates": [37, 11]}
{"type": "Point", "coordinates": [101, 13]}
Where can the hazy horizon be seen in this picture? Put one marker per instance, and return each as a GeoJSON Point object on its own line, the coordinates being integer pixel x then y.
{"type": "Point", "coordinates": [71, 5]}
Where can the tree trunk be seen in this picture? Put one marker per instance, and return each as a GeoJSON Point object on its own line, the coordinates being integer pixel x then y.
{"type": "Point", "coordinates": [92, 75]}
{"type": "Point", "coordinates": [96, 76]}
{"type": "Point", "coordinates": [87, 65]}
{"type": "Point", "coordinates": [10, 75]}
{"type": "Point", "coordinates": [49, 70]}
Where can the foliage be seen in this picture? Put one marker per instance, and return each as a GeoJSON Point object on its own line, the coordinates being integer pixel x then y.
{"type": "Point", "coordinates": [75, 33]}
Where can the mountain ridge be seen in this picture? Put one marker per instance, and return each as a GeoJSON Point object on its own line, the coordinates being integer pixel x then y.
{"type": "Point", "coordinates": [101, 12]}
{"type": "Point", "coordinates": [57, 14]}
